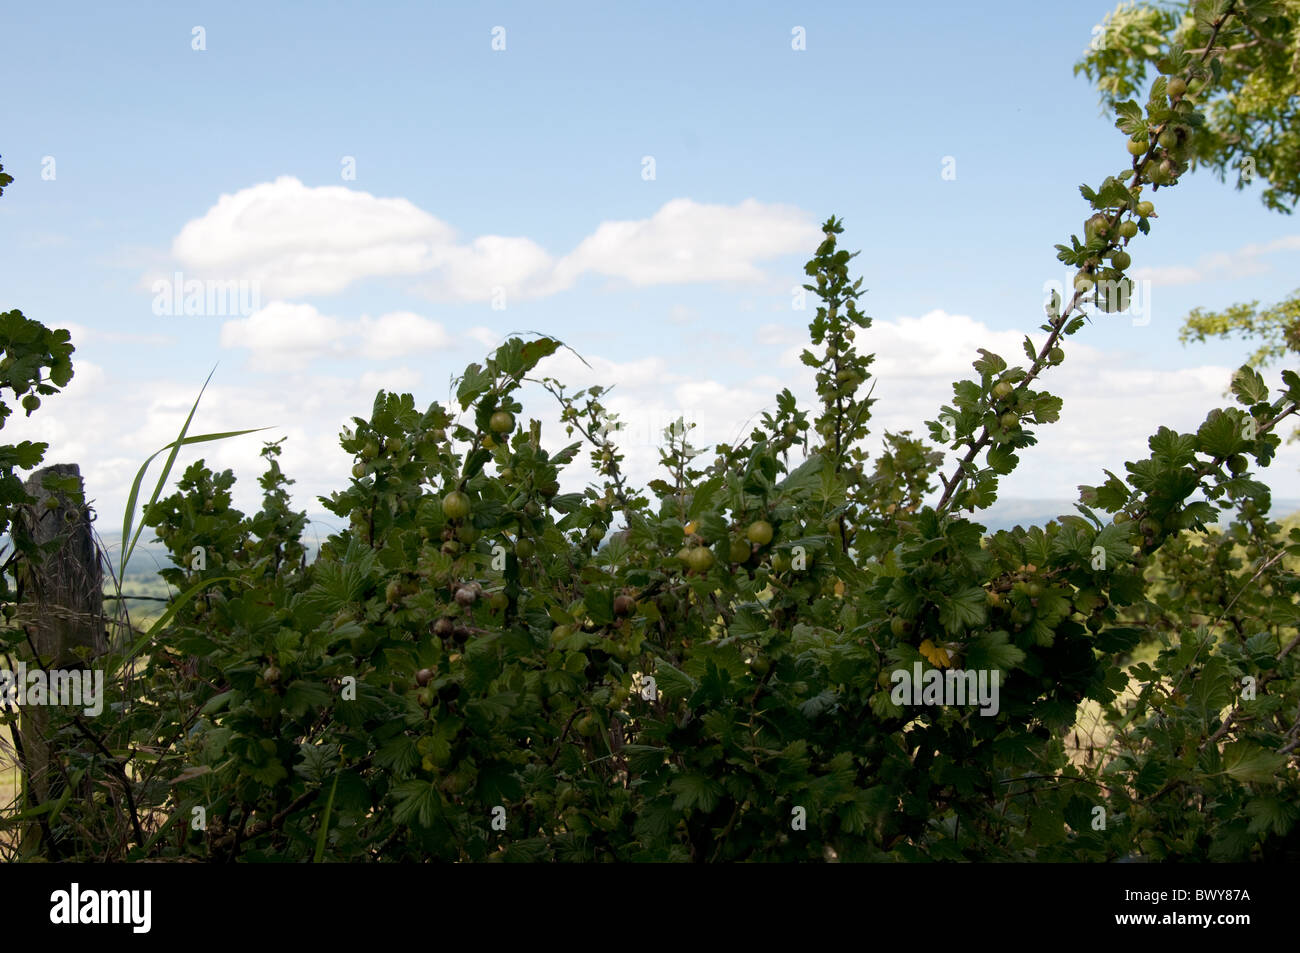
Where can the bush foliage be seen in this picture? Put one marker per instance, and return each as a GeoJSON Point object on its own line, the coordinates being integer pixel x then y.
{"type": "Point", "coordinates": [482, 667]}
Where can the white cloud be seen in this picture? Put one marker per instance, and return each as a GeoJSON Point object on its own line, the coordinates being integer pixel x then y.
{"type": "Point", "coordinates": [484, 336]}
{"type": "Point", "coordinates": [285, 334]}
{"type": "Point", "coordinates": [687, 241]}
{"type": "Point", "coordinates": [297, 240]}
{"type": "Point", "coordinates": [475, 271]}
{"type": "Point", "coordinates": [1245, 262]}
{"type": "Point", "coordinates": [399, 333]}
{"type": "Point", "coordinates": [294, 240]}
{"type": "Point", "coordinates": [397, 380]}
{"type": "Point", "coordinates": [289, 336]}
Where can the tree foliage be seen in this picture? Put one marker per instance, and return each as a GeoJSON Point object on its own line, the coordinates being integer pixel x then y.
{"type": "Point", "coordinates": [1253, 108]}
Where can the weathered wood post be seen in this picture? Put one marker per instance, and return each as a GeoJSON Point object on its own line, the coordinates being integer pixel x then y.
{"type": "Point", "coordinates": [61, 607]}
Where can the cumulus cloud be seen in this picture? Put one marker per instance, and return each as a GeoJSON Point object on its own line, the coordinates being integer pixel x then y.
{"type": "Point", "coordinates": [284, 335]}
{"type": "Point", "coordinates": [294, 241]}
{"type": "Point", "coordinates": [687, 241]}
{"type": "Point", "coordinates": [1245, 262]}
{"type": "Point", "coordinates": [485, 337]}
{"type": "Point", "coordinates": [297, 240]}
{"type": "Point", "coordinates": [392, 335]}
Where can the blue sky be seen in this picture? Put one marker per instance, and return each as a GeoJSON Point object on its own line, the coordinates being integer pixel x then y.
{"type": "Point", "coordinates": [522, 169]}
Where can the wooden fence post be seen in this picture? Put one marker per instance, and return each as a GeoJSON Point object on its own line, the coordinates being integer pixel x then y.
{"type": "Point", "coordinates": [61, 606]}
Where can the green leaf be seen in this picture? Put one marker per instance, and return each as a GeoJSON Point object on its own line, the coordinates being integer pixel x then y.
{"type": "Point", "coordinates": [963, 610]}
{"type": "Point", "coordinates": [643, 759]}
{"type": "Point", "coordinates": [1220, 435]}
{"type": "Point", "coordinates": [473, 385]}
{"type": "Point", "coordinates": [1247, 761]}
{"type": "Point", "coordinates": [533, 352]}
{"type": "Point", "coordinates": [1271, 814]}
{"type": "Point", "coordinates": [1129, 117]}
{"type": "Point", "coordinates": [695, 791]}
{"type": "Point", "coordinates": [1113, 539]}
{"type": "Point", "coordinates": [825, 700]}
{"type": "Point", "coordinates": [398, 754]}
{"type": "Point", "coordinates": [804, 477]}
{"type": "Point", "coordinates": [989, 363]}
{"type": "Point", "coordinates": [418, 802]}
{"type": "Point", "coordinates": [1249, 386]}
{"type": "Point", "coordinates": [1001, 459]}
{"type": "Point", "coordinates": [301, 696]}
{"type": "Point", "coordinates": [673, 682]}
{"type": "Point", "coordinates": [993, 650]}
{"type": "Point", "coordinates": [703, 496]}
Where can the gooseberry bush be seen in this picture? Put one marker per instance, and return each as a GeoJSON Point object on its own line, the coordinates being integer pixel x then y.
{"type": "Point", "coordinates": [482, 667]}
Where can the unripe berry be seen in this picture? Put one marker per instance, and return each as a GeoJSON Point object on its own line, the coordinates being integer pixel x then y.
{"type": "Point", "coordinates": [699, 559]}
{"type": "Point", "coordinates": [456, 505]}
{"type": "Point", "coordinates": [1094, 226]}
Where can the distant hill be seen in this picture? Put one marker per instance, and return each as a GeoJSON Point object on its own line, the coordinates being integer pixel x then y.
{"type": "Point", "coordinates": [149, 556]}
{"type": "Point", "coordinates": [1007, 514]}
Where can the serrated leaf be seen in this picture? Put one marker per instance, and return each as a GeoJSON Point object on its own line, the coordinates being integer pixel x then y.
{"type": "Point", "coordinates": [695, 791]}
{"type": "Point", "coordinates": [673, 682]}
{"type": "Point", "coordinates": [1247, 761]}
{"type": "Point", "coordinates": [1248, 386]}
